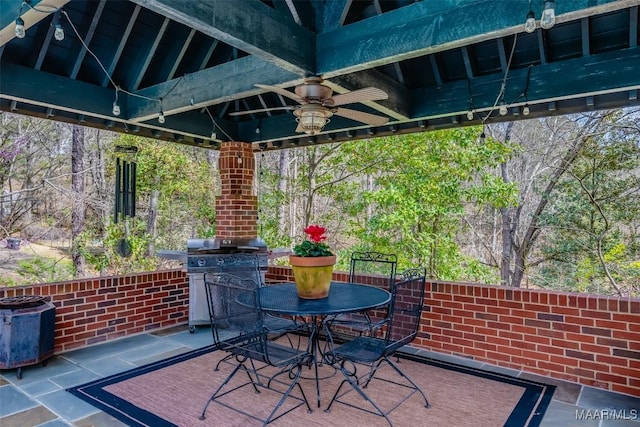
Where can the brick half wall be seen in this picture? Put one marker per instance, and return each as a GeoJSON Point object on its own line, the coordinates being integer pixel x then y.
{"type": "Point", "coordinates": [95, 310]}
{"type": "Point", "coordinates": [588, 339]}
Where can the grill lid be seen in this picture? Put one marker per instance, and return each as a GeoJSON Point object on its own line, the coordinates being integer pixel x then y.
{"type": "Point", "coordinates": [225, 245]}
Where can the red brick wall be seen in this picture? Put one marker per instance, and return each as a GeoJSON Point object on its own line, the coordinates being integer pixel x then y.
{"type": "Point", "coordinates": [95, 310]}
{"type": "Point", "coordinates": [237, 206]}
{"type": "Point", "coordinates": [588, 339]}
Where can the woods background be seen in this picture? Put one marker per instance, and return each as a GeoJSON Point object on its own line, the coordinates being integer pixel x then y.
{"type": "Point", "coordinates": [551, 203]}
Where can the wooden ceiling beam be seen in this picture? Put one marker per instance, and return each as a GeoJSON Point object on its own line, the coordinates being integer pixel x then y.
{"type": "Point", "coordinates": [426, 27]}
{"type": "Point", "coordinates": [215, 85]}
{"type": "Point", "coordinates": [248, 25]}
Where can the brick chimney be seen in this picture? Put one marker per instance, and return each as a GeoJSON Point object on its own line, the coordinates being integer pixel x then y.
{"type": "Point", "coordinates": [237, 206]}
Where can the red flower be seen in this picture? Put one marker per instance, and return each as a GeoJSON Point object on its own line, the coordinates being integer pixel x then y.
{"type": "Point", "coordinates": [316, 233]}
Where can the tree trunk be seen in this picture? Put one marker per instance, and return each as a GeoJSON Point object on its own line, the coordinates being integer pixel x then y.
{"type": "Point", "coordinates": [525, 245]}
{"type": "Point", "coordinates": [505, 213]}
{"type": "Point", "coordinates": [79, 205]}
{"type": "Point", "coordinates": [152, 221]}
{"type": "Point", "coordinates": [282, 188]}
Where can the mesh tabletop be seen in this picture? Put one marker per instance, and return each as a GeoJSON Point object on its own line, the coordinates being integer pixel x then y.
{"type": "Point", "coordinates": [343, 298]}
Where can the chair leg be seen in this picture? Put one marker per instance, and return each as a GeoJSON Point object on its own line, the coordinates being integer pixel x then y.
{"type": "Point", "coordinates": [415, 386]}
{"type": "Point", "coordinates": [349, 378]}
{"type": "Point", "coordinates": [224, 359]}
{"type": "Point", "coordinates": [215, 394]}
{"type": "Point", "coordinates": [286, 394]}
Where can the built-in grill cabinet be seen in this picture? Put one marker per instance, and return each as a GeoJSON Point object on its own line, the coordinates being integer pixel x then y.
{"type": "Point", "coordinates": [215, 255]}
{"type": "Point", "coordinates": [27, 327]}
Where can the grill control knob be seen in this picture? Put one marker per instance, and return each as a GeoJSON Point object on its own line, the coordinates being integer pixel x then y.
{"type": "Point", "coordinates": [201, 262]}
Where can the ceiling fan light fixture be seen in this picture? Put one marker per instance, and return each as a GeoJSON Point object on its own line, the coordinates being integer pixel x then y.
{"type": "Point", "coordinates": [312, 119]}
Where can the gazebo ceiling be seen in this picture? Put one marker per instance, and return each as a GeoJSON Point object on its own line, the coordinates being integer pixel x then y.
{"type": "Point", "coordinates": [199, 61]}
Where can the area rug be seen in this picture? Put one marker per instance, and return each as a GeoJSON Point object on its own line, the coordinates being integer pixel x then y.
{"type": "Point", "coordinates": [173, 392]}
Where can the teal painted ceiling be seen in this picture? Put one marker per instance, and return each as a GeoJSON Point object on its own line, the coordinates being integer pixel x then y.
{"type": "Point", "coordinates": [198, 62]}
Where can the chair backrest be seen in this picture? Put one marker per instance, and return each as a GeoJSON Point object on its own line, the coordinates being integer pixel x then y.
{"type": "Point", "coordinates": [373, 263]}
{"type": "Point", "coordinates": [410, 273]}
{"type": "Point", "coordinates": [234, 307]}
{"type": "Point", "coordinates": [245, 265]}
{"type": "Point", "coordinates": [407, 300]}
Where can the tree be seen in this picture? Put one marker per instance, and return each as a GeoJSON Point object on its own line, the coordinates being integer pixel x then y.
{"type": "Point", "coordinates": [420, 194]}
{"type": "Point", "coordinates": [549, 149]}
{"type": "Point", "coordinates": [78, 194]}
{"type": "Point", "coordinates": [591, 244]}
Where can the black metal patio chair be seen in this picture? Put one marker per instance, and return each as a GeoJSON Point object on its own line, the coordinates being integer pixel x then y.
{"type": "Point", "coordinates": [238, 328]}
{"type": "Point", "coordinates": [249, 264]}
{"type": "Point", "coordinates": [373, 353]}
{"type": "Point", "coordinates": [366, 263]}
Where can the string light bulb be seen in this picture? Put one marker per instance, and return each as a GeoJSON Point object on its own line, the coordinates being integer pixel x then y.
{"type": "Point", "coordinates": [161, 115]}
{"type": "Point", "coordinates": [525, 110]}
{"type": "Point", "coordinates": [58, 34]}
{"type": "Point", "coordinates": [503, 109]}
{"type": "Point", "coordinates": [470, 115]}
{"type": "Point", "coordinates": [530, 23]}
{"type": "Point", "coordinates": [548, 18]}
{"type": "Point", "coordinates": [116, 106]}
{"type": "Point", "coordinates": [20, 33]}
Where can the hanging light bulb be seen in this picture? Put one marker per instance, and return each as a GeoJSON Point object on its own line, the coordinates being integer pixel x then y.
{"type": "Point", "coordinates": [470, 115]}
{"type": "Point", "coordinates": [503, 109]}
{"type": "Point", "coordinates": [525, 110]}
{"type": "Point", "coordinates": [548, 18]}
{"type": "Point", "coordinates": [530, 23]}
{"type": "Point", "coordinates": [58, 33]}
{"type": "Point", "coordinates": [116, 106]}
{"type": "Point", "coordinates": [161, 117]}
{"type": "Point", "coordinates": [20, 33]}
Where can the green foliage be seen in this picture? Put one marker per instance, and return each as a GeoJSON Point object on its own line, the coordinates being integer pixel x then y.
{"type": "Point", "coordinates": [43, 270]}
{"type": "Point", "coordinates": [591, 241]}
{"type": "Point", "coordinates": [186, 182]}
{"type": "Point", "coordinates": [420, 194]}
{"type": "Point", "coordinates": [312, 249]}
{"type": "Point", "coordinates": [108, 259]}
{"type": "Point", "coordinates": [6, 282]}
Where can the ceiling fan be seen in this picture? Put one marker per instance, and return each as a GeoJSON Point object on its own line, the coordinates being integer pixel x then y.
{"type": "Point", "coordinates": [318, 104]}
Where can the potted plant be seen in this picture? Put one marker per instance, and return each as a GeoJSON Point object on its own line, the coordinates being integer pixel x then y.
{"type": "Point", "coordinates": [312, 264]}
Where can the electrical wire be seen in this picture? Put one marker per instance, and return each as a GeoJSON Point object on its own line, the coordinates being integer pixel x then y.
{"type": "Point", "coordinates": [503, 85]}
{"type": "Point", "coordinates": [216, 125]}
{"type": "Point", "coordinates": [104, 70]}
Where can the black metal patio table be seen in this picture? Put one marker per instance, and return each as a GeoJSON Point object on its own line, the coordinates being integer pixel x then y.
{"type": "Point", "coordinates": [343, 298]}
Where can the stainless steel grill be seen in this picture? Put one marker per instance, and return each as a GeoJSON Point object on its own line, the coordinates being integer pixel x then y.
{"type": "Point", "coordinates": [215, 255]}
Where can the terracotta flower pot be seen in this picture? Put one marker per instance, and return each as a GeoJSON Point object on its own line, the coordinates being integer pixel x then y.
{"type": "Point", "coordinates": [312, 275]}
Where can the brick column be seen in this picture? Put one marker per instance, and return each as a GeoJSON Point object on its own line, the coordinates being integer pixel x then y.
{"type": "Point", "coordinates": [237, 206]}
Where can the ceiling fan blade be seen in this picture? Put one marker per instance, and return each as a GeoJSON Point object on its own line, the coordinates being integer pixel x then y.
{"type": "Point", "coordinates": [299, 128]}
{"type": "Point", "coordinates": [281, 91]}
{"type": "Point", "coordinates": [261, 110]}
{"type": "Point", "coordinates": [364, 94]}
{"type": "Point", "coordinates": [359, 116]}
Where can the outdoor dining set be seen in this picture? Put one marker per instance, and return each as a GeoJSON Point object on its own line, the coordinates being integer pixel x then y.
{"type": "Point", "coordinates": [278, 338]}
